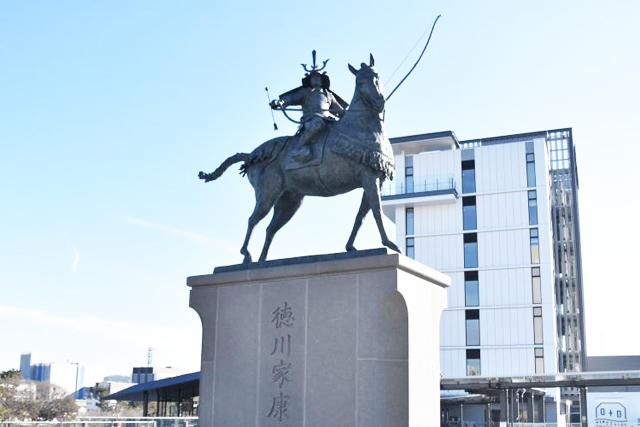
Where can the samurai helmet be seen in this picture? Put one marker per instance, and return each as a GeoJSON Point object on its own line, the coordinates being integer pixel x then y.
{"type": "Point", "coordinates": [315, 71]}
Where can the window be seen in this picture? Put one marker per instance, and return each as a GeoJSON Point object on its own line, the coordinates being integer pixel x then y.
{"type": "Point", "coordinates": [473, 362]}
{"type": "Point", "coordinates": [411, 251]}
{"type": "Point", "coordinates": [472, 324]}
{"type": "Point", "coordinates": [469, 217]}
{"type": "Point", "coordinates": [471, 289]}
{"type": "Point", "coordinates": [539, 354]}
{"type": "Point", "coordinates": [470, 250]}
{"type": "Point", "coordinates": [531, 170]}
{"type": "Point", "coordinates": [408, 174]}
{"type": "Point", "coordinates": [409, 221]}
{"type": "Point", "coordinates": [537, 325]}
{"type": "Point", "coordinates": [533, 208]}
{"type": "Point", "coordinates": [468, 176]}
{"type": "Point", "coordinates": [535, 246]}
{"type": "Point", "coordinates": [536, 285]}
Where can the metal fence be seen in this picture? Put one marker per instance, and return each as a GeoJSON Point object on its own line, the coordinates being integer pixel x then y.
{"type": "Point", "coordinates": [510, 424]}
{"type": "Point", "coordinates": [110, 422]}
{"type": "Point", "coordinates": [76, 423]}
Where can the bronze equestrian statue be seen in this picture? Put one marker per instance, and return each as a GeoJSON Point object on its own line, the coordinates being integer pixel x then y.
{"type": "Point", "coordinates": [353, 152]}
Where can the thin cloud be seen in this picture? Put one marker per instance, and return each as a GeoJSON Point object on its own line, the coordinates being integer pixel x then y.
{"type": "Point", "coordinates": [189, 235]}
{"type": "Point", "coordinates": [106, 328]}
{"type": "Point", "coordinates": [76, 260]}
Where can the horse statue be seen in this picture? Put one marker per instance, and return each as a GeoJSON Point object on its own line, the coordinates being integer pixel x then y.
{"type": "Point", "coordinates": [353, 152]}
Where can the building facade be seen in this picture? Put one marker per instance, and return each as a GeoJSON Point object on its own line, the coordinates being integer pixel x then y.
{"type": "Point", "coordinates": [500, 216]}
{"type": "Point", "coordinates": [72, 377]}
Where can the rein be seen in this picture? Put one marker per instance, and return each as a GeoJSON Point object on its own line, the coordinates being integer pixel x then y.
{"type": "Point", "coordinates": [284, 111]}
{"type": "Point", "coordinates": [419, 58]}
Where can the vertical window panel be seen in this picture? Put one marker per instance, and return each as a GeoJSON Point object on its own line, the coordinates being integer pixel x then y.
{"type": "Point", "coordinates": [409, 222]}
{"type": "Point", "coordinates": [531, 170]}
{"type": "Point", "coordinates": [535, 246]}
{"type": "Point", "coordinates": [468, 176]}
{"type": "Point", "coordinates": [469, 213]}
{"type": "Point", "coordinates": [410, 247]}
{"type": "Point", "coordinates": [472, 323]}
{"type": "Point", "coordinates": [539, 355]}
{"type": "Point", "coordinates": [471, 289]}
{"type": "Point", "coordinates": [473, 362]}
{"type": "Point", "coordinates": [537, 325]}
{"type": "Point", "coordinates": [533, 208]}
{"type": "Point", "coordinates": [408, 174]}
{"type": "Point", "coordinates": [470, 250]}
{"type": "Point", "coordinates": [408, 180]}
{"type": "Point", "coordinates": [536, 285]}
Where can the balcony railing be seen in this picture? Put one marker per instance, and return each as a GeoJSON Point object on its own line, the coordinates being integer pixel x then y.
{"type": "Point", "coordinates": [432, 185]}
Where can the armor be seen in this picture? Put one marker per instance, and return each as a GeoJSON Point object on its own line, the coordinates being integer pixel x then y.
{"type": "Point", "coordinates": [319, 105]}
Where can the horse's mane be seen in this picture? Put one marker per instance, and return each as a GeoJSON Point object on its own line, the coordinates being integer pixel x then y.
{"type": "Point", "coordinates": [372, 154]}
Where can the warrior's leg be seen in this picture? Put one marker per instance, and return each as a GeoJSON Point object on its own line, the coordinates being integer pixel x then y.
{"type": "Point", "coordinates": [302, 152]}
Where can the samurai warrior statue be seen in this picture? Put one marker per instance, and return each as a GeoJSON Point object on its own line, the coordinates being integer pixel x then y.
{"type": "Point", "coordinates": [319, 106]}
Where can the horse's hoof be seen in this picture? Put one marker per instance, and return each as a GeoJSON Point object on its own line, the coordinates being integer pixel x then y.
{"type": "Point", "coordinates": [392, 246]}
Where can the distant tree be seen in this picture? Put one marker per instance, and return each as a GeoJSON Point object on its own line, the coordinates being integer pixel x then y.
{"type": "Point", "coordinates": [30, 400]}
{"type": "Point", "coordinates": [115, 408]}
{"type": "Point", "coordinates": [104, 405]}
{"type": "Point", "coordinates": [54, 402]}
{"type": "Point", "coordinates": [11, 374]}
{"type": "Point", "coordinates": [6, 396]}
{"type": "Point", "coordinates": [12, 405]}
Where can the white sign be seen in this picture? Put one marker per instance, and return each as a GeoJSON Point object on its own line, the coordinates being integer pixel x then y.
{"type": "Point", "coordinates": [611, 411]}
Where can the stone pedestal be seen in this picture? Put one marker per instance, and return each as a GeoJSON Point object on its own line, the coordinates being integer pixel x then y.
{"type": "Point", "coordinates": [321, 341]}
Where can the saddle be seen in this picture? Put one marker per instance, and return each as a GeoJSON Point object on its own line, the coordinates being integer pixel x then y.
{"type": "Point", "coordinates": [316, 145]}
{"type": "Point", "coordinates": [372, 152]}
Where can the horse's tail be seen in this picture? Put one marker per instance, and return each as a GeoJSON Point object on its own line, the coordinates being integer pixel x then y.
{"type": "Point", "coordinates": [239, 157]}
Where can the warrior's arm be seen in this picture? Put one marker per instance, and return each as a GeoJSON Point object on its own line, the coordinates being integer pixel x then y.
{"type": "Point", "coordinates": [295, 97]}
{"type": "Point", "coordinates": [336, 108]}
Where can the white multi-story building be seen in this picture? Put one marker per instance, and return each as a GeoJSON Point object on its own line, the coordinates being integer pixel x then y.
{"type": "Point", "coordinates": [500, 216]}
{"type": "Point", "coordinates": [72, 377]}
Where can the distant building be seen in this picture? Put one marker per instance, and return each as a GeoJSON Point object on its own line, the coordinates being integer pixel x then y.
{"type": "Point", "coordinates": [118, 378]}
{"type": "Point", "coordinates": [113, 386]}
{"type": "Point", "coordinates": [500, 216]}
{"type": "Point", "coordinates": [148, 374]}
{"type": "Point", "coordinates": [72, 377]}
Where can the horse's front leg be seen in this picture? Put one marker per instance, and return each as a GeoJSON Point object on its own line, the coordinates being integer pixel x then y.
{"type": "Point", "coordinates": [372, 193]}
{"type": "Point", "coordinates": [261, 210]}
{"type": "Point", "coordinates": [362, 213]}
{"type": "Point", "coordinates": [284, 209]}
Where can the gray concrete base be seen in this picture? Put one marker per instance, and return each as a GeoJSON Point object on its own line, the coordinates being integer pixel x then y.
{"type": "Point", "coordinates": [320, 342]}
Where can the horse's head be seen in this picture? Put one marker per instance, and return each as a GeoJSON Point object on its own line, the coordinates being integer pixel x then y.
{"type": "Point", "coordinates": [368, 87]}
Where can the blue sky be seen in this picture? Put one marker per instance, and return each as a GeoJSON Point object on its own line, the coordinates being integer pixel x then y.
{"type": "Point", "coordinates": [108, 110]}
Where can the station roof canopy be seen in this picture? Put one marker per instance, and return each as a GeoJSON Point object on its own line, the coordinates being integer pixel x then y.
{"type": "Point", "coordinates": [189, 384]}
{"type": "Point", "coordinates": [570, 379]}
{"type": "Point", "coordinates": [168, 388]}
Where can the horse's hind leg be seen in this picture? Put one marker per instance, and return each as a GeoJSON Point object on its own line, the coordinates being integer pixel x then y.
{"type": "Point", "coordinates": [372, 193]}
{"type": "Point", "coordinates": [262, 208]}
{"type": "Point", "coordinates": [283, 211]}
{"type": "Point", "coordinates": [362, 212]}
